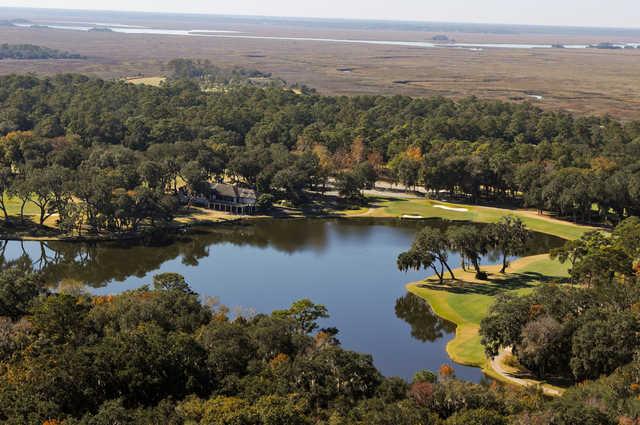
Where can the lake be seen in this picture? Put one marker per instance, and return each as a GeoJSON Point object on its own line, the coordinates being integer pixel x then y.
{"type": "Point", "coordinates": [347, 265]}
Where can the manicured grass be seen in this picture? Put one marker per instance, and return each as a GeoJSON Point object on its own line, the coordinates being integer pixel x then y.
{"type": "Point", "coordinates": [149, 81]}
{"type": "Point", "coordinates": [426, 208]}
{"type": "Point", "coordinates": [466, 301]}
{"type": "Point", "coordinates": [13, 207]}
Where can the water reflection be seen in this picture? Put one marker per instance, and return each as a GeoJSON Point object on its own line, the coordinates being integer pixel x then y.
{"type": "Point", "coordinates": [425, 325]}
{"type": "Point", "coordinates": [97, 264]}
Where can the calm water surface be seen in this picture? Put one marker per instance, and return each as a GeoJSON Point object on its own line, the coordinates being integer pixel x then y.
{"type": "Point", "coordinates": [349, 266]}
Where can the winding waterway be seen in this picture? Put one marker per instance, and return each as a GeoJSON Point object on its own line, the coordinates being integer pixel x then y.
{"type": "Point", "coordinates": [347, 265]}
{"type": "Point", "coordinates": [128, 29]}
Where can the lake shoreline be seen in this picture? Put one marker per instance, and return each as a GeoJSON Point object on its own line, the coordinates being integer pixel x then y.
{"type": "Point", "coordinates": [379, 206]}
{"type": "Point", "coordinates": [208, 249]}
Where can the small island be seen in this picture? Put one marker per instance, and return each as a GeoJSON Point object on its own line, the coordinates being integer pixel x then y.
{"type": "Point", "coordinates": [605, 45]}
{"type": "Point", "coordinates": [100, 29]}
{"type": "Point", "coordinates": [440, 37]}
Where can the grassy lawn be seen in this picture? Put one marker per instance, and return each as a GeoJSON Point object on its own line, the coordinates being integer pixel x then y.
{"type": "Point", "coordinates": [13, 207]}
{"type": "Point", "coordinates": [466, 301]}
{"type": "Point", "coordinates": [426, 208]}
{"type": "Point", "coordinates": [149, 81]}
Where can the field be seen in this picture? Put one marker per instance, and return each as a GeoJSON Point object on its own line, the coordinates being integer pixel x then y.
{"type": "Point", "coordinates": [591, 81]}
{"type": "Point", "coordinates": [149, 81]}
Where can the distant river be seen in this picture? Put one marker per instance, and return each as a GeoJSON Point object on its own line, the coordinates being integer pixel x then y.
{"type": "Point", "coordinates": [128, 29]}
{"type": "Point", "coordinates": [347, 265]}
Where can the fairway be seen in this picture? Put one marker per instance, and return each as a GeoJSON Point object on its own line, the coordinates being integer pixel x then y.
{"type": "Point", "coordinates": [149, 81]}
{"type": "Point", "coordinates": [426, 208]}
{"type": "Point", "coordinates": [13, 207]}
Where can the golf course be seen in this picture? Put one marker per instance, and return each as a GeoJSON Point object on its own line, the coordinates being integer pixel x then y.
{"type": "Point", "coordinates": [465, 301]}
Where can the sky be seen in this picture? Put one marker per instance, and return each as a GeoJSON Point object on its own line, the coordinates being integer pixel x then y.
{"type": "Point", "coordinates": [604, 13]}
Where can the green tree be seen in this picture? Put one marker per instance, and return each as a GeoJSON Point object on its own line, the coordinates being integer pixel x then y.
{"type": "Point", "coordinates": [509, 236]}
{"type": "Point", "coordinates": [350, 186]}
{"type": "Point", "coordinates": [429, 249]}
{"type": "Point", "coordinates": [575, 251]}
{"type": "Point", "coordinates": [603, 344]}
{"type": "Point", "coordinates": [470, 242]}
{"type": "Point", "coordinates": [18, 288]}
{"type": "Point", "coordinates": [6, 180]}
{"type": "Point", "coordinates": [305, 314]}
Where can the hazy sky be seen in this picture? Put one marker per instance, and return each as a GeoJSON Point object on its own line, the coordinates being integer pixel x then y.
{"type": "Point", "coordinates": [624, 13]}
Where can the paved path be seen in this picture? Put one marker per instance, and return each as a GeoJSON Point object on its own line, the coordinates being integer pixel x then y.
{"type": "Point", "coordinates": [497, 364]}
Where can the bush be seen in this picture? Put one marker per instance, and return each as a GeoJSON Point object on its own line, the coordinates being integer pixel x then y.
{"type": "Point", "coordinates": [482, 275]}
{"type": "Point", "coordinates": [512, 361]}
{"type": "Point", "coordinates": [264, 202]}
{"type": "Point", "coordinates": [477, 417]}
{"type": "Point", "coordinates": [425, 376]}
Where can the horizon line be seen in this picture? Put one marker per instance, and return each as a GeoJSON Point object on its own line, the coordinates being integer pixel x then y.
{"type": "Point", "coordinates": [320, 18]}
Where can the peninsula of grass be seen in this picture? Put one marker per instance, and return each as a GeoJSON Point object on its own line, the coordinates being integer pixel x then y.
{"type": "Point", "coordinates": [466, 301]}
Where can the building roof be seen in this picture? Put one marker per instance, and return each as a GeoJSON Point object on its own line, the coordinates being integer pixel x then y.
{"type": "Point", "coordinates": [232, 191]}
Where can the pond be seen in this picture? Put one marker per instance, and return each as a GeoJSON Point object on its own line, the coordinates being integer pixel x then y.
{"type": "Point", "coordinates": [347, 265]}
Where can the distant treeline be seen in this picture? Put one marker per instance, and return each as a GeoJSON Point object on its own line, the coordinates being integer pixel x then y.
{"type": "Point", "coordinates": [30, 51]}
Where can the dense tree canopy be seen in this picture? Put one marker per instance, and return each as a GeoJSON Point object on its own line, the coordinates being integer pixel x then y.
{"type": "Point", "coordinates": [582, 331]}
{"type": "Point", "coordinates": [118, 149]}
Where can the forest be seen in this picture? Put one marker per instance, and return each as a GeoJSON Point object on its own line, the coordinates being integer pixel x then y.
{"type": "Point", "coordinates": [120, 150]}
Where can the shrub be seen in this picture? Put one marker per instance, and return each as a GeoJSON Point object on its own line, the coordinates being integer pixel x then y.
{"type": "Point", "coordinates": [482, 275]}
{"type": "Point", "coordinates": [264, 202]}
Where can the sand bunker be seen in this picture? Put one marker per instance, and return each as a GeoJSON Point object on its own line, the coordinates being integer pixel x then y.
{"type": "Point", "coordinates": [450, 208]}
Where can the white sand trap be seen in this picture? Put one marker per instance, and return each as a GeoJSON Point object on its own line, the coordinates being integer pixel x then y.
{"type": "Point", "coordinates": [412, 217]}
{"type": "Point", "coordinates": [450, 208]}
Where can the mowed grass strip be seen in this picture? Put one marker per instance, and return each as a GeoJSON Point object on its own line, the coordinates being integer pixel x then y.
{"type": "Point", "coordinates": [426, 208]}
{"type": "Point", "coordinates": [13, 207]}
{"type": "Point", "coordinates": [148, 81]}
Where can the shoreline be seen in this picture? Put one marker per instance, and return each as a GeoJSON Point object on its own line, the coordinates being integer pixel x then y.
{"type": "Point", "coordinates": [467, 309]}
{"type": "Point", "coordinates": [382, 206]}
{"type": "Point", "coordinates": [465, 348]}
{"type": "Point", "coordinates": [462, 348]}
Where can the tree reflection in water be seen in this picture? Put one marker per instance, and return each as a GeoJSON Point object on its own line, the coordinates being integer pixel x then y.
{"type": "Point", "coordinates": [425, 325]}
{"type": "Point", "coordinates": [98, 264]}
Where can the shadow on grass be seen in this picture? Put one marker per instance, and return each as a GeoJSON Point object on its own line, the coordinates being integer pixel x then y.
{"type": "Point", "coordinates": [15, 227]}
{"type": "Point", "coordinates": [330, 206]}
{"type": "Point", "coordinates": [494, 286]}
{"type": "Point", "coordinates": [555, 380]}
